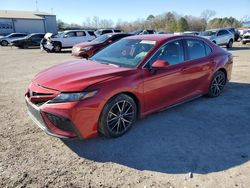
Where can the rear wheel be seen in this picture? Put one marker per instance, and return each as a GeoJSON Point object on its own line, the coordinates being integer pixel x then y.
{"type": "Point", "coordinates": [118, 116]}
{"type": "Point", "coordinates": [230, 44]}
{"type": "Point", "coordinates": [217, 84]}
{"type": "Point", "coordinates": [4, 43]}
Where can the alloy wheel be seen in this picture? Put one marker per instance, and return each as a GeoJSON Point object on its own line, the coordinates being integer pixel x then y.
{"type": "Point", "coordinates": [120, 117]}
{"type": "Point", "coordinates": [218, 84]}
{"type": "Point", "coordinates": [4, 43]}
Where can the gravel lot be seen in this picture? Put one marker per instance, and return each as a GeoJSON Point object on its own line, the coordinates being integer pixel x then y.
{"type": "Point", "coordinates": [208, 137]}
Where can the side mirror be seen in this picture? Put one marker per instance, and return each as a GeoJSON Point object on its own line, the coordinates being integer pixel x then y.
{"type": "Point", "coordinates": [160, 64]}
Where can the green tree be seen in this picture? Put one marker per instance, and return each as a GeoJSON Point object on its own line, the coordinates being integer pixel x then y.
{"type": "Point", "coordinates": [182, 25]}
{"type": "Point", "coordinates": [150, 17]}
{"type": "Point", "coordinates": [171, 23]}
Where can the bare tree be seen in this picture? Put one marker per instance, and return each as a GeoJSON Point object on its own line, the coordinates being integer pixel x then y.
{"type": "Point", "coordinates": [208, 14]}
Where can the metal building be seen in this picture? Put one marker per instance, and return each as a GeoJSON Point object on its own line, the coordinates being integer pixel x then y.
{"type": "Point", "coordinates": [27, 22]}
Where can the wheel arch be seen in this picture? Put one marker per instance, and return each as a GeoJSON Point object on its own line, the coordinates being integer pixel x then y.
{"type": "Point", "coordinates": [224, 71]}
{"type": "Point", "coordinates": [133, 96]}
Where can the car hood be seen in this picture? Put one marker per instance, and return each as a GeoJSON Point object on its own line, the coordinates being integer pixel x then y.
{"type": "Point", "coordinates": [208, 37]}
{"type": "Point", "coordinates": [76, 75]}
{"type": "Point", "coordinates": [86, 44]}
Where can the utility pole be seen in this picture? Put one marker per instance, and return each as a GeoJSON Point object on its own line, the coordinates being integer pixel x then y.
{"type": "Point", "coordinates": [37, 6]}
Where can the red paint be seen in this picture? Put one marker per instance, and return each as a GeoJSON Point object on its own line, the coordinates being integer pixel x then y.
{"type": "Point", "coordinates": [171, 85]}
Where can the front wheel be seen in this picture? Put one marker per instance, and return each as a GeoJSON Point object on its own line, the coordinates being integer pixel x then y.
{"type": "Point", "coordinates": [230, 44]}
{"type": "Point", "coordinates": [118, 116]}
{"type": "Point", "coordinates": [57, 47]}
{"type": "Point", "coordinates": [217, 84]}
{"type": "Point", "coordinates": [4, 43]}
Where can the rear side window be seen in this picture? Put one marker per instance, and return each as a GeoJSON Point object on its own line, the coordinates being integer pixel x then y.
{"type": "Point", "coordinates": [196, 49]}
{"type": "Point", "coordinates": [91, 33]}
{"type": "Point", "coordinates": [222, 32]}
{"type": "Point", "coordinates": [117, 31]}
{"type": "Point", "coordinates": [208, 49]}
{"type": "Point", "coordinates": [80, 33]}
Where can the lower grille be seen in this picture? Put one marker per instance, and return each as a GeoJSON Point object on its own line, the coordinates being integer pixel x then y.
{"type": "Point", "coordinates": [60, 122]}
{"type": "Point", "coordinates": [35, 115]}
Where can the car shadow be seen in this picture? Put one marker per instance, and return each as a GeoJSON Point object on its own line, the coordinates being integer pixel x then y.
{"type": "Point", "coordinates": [239, 48]}
{"type": "Point", "coordinates": [202, 136]}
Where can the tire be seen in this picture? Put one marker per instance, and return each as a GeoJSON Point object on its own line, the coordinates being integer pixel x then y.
{"type": "Point", "coordinates": [217, 84]}
{"type": "Point", "coordinates": [57, 47]}
{"type": "Point", "coordinates": [230, 43]}
{"type": "Point", "coordinates": [4, 43]}
{"type": "Point", "coordinates": [243, 42]}
{"type": "Point", "coordinates": [117, 116]}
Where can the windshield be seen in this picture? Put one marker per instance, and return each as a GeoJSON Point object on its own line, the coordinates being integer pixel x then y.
{"type": "Point", "coordinates": [209, 33]}
{"type": "Point", "coordinates": [125, 52]}
{"type": "Point", "coordinates": [101, 38]}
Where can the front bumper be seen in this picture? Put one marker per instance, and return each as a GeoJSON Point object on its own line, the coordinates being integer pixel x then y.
{"type": "Point", "coordinates": [35, 114]}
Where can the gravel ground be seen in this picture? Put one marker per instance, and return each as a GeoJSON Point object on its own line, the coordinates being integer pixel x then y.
{"type": "Point", "coordinates": [203, 143]}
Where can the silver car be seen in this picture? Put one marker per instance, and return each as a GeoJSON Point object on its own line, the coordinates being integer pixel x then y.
{"type": "Point", "coordinates": [221, 37]}
{"type": "Point", "coordinates": [6, 40]}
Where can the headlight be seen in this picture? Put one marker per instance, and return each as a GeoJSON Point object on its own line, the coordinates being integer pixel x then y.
{"type": "Point", "coordinates": [70, 97]}
{"type": "Point", "coordinates": [76, 49]}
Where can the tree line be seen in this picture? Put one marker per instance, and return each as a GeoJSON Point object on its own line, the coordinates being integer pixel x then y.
{"type": "Point", "coordinates": [167, 22]}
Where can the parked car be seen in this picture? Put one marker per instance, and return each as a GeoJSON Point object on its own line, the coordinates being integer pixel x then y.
{"type": "Point", "coordinates": [66, 39]}
{"type": "Point", "coordinates": [235, 32]}
{"type": "Point", "coordinates": [246, 38]}
{"type": "Point", "coordinates": [87, 49]}
{"type": "Point", "coordinates": [100, 32]}
{"type": "Point", "coordinates": [242, 32]}
{"type": "Point", "coordinates": [6, 40]}
{"type": "Point", "coordinates": [191, 33]}
{"type": "Point", "coordinates": [143, 32]}
{"type": "Point", "coordinates": [129, 79]}
{"type": "Point", "coordinates": [220, 37]}
{"type": "Point", "coordinates": [31, 40]}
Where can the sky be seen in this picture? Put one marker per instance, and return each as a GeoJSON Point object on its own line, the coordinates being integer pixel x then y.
{"type": "Point", "coordinates": [73, 11]}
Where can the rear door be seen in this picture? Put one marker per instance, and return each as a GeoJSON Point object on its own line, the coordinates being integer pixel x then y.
{"type": "Point", "coordinates": [223, 36]}
{"type": "Point", "coordinates": [198, 67]}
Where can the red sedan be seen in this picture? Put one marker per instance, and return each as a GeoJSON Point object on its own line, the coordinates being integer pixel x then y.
{"type": "Point", "coordinates": [88, 49]}
{"type": "Point", "coordinates": [127, 80]}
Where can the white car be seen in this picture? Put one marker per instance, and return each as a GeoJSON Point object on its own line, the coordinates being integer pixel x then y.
{"type": "Point", "coordinates": [220, 37]}
{"type": "Point", "coordinates": [246, 38]}
{"type": "Point", "coordinates": [66, 39]}
{"type": "Point", "coordinates": [105, 31]}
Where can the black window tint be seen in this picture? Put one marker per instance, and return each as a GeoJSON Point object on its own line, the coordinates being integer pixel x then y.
{"type": "Point", "coordinates": [91, 33]}
{"type": "Point", "coordinates": [117, 31]}
{"type": "Point", "coordinates": [196, 49]}
{"type": "Point", "coordinates": [171, 52]}
{"type": "Point", "coordinates": [118, 37]}
{"type": "Point", "coordinates": [106, 31]}
{"type": "Point", "coordinates": [208, 49]}
{"type": "Point", "coordinates": [222, 32]}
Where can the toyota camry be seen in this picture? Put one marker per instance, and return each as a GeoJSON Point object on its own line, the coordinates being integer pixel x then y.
{"type": "Point", "coordinates": [127, 80]}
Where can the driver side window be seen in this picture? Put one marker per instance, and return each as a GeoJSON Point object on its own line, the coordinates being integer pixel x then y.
{"type": "Point", "coordinates": [171, 52]}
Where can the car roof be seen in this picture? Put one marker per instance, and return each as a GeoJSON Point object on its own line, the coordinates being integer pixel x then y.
{"type": "Point", "coordinates": [155, 37]}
